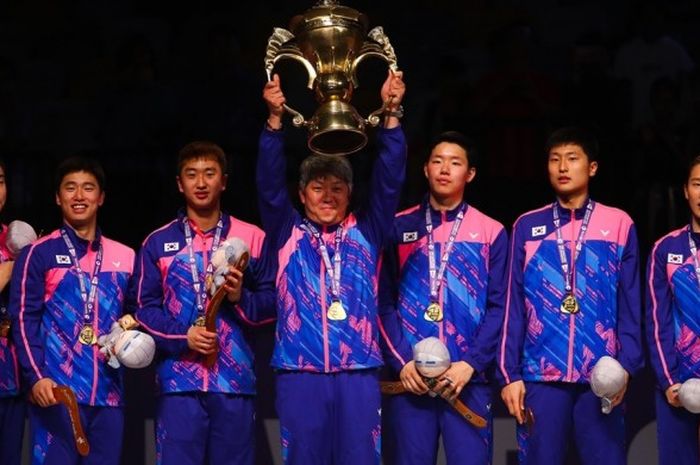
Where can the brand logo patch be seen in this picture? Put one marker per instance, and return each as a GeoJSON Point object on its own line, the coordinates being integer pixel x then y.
{"type": "Point", "coordinates": [605, 232]}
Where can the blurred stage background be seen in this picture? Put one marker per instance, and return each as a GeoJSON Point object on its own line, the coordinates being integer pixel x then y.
{"type": "Point", "coordinates": [131, 82]}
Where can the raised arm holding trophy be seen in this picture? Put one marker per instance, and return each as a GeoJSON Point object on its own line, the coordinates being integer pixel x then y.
{"type": "Point", "coordinates": [326, 257]}
{"type": "Point", "coordinates": [330, 41]}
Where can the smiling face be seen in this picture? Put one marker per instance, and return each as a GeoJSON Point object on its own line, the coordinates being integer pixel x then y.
{"type": "Point", "coordinates": [326, 200]}
{"type": "Point", "coordinates": [202, 182]}
{"type": "Point", "coordinates": [448, 172]}
{"type": "Point", "coordinates": [570, 171]}
{"type": "Point", "coordinates": [692, 195]}
{"type": "Point", "coordinates": [80, 196]}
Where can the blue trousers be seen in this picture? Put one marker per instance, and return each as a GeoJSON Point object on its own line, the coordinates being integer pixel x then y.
{"type": "Point", "coordinates": [414, 425]}
{"type": "Point", "coordinates": [194, 428]}
{"type": "Point", "coordinates": [567, 413]}
{"type": "Point", "coordinates": [677, 433]}
{"type": "Point", "coordinates": [12, 413]}
{"type": "Point", "coordinates": [329, 419]}
{"type": "Point", "coordinates": [52, 435]}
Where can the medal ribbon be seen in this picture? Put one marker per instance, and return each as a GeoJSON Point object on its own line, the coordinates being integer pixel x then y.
{"type": "Point", "coordinates": [89, 298]}
{"type": "Point", "coordinates": [200, 290]}
{"type": "Point", "coordinates": [436, 275]}
{"type": "Point", "coordinates": [333, 269]}
{"type": "Point", "coordinates": [568, 272]}
{"type": "Point", "coordinates": [694, 253]}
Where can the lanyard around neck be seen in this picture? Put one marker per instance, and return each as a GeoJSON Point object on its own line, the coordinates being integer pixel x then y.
{"type": "Point", "coordinates": [89, 297]}
{"type": "Point", "coordinates": [567, 270]}
{"type": "Point", "coordinates": [436, 273]}
{"type": "Point", "coordinates": [200, 289]}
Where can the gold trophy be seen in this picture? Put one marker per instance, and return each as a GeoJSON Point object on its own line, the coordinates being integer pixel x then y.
{"type": "Point", "coordinates": [330, 41]}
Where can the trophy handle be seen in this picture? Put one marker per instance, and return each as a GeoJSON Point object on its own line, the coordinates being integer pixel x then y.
{"type": "Point", "coordinates": [279, 46]}
{"type": "Point", "coordinates": [378, 46]}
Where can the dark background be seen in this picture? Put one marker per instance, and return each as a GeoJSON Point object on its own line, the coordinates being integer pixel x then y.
{"type": "Point", "coordinates": [131, 82]}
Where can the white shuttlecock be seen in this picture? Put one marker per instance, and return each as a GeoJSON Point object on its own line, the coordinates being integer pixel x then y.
{"type": "Point", "coordinates": [135, 349]}
{"type": "Point", "coordinates": [233, 251]}
{"type": "Point", "coordinates": [607, 379]}
{"type": "Point", "coordinates": [689, 395]}
{"type": "Point", "coordinates": [19, 235]}
{"type": "Point", "coordinates": [431, 357]}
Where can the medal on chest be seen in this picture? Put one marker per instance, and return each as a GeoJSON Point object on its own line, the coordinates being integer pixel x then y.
{"type": "Point", "coordinates": [336, 311]}
{"type": "Point", "coordinates": [433, 312]}
{"type": "Point", "coordinates": [569, 304]}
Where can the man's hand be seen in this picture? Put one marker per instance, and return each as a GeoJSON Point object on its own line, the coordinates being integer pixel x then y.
{"type": "Point", "coordinates": [42, 392]}
{"type": "Point", "coordinates": [200, 340]}
{"type": "Point", "coordinates": [233, 284]}
{"type": "Point", "coordinates": [454, 379]}
{"type": "Point", "coordinates": [672, 395]}
{"type": "Point", "coordinates": [412, 380]}
{"type": "Point", "coordinates": [275, 100]}
{"type": "Point", "coordinates": [393, 90]}
{"type": "Point", "coordinates": [513, 396]}
{"type": "Point", "coordinates": [392, 95]}
{"type": "Point", "coordinates": [620, 395]}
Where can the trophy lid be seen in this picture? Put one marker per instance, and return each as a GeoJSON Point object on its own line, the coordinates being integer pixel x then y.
{"type": "Point", "coordinates": [328, 13]}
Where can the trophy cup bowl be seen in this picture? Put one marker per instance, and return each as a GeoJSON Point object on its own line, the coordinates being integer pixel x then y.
{"type": "Point", "coordinates": [330, 41]}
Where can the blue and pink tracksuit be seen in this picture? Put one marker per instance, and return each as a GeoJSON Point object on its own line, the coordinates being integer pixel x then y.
{"type": "Point", "coordinates": [554, 352]}
{"type": "Point", "coordinates": [673, 334]}
{"type": "Point", "coordinates": [328, 396]}
{"type": "Point", "coordinates": [47, 315]}
{"type": "Point", "coordinates": [199, 405]}
{"type": "Point", "coordinates": [12, 405]}
{"type": "Point", "coordinates": [472, 295]}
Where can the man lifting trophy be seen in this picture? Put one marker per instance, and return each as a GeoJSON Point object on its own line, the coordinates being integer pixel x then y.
{"type": "Point", "coordinates": [330, 41]}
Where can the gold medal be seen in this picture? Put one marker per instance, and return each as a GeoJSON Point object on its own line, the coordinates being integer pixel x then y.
{"type": "Point", "coordinates": [336, 311]}
{"type": "Point", "coordinates": [569, 304]}
{"type": "Point", "coordinates": [200, 321]}
{"type": "Point", "coordinates": [5, 328]}
{"type": "Point", "coordinates": [433, 312]}
{"type": "Point", "coordinates": [87, 336]}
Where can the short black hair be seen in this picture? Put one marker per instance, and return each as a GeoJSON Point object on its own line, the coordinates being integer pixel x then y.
{"type": "Point", "coordinates": [574, 135]}
{"type": "Point", "coordinates": [456, 137]}
{"type": "Point", "coordinates": [317, 166]}
{"type": "Point", "coordinates": [78, 163]}
{"type": "Point", "coordinates": [201, 149]}
{"type": "Point", "coordinates": [693, 162]}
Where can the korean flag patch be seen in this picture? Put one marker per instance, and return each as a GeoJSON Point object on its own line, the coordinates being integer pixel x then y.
{"type": "Point", "coordinates": [539, 231]}
{"type": "Point", "coordinates": [171, 247]}
{"type": "Point", "coordinates": [63, 259]}
{"type": "Point", "coordinates": [410, 236]}
{"type": "Point", "coordinates": [675, 258]}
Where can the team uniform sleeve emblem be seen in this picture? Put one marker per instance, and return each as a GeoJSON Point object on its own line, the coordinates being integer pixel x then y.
{"type": "Point", "coordinates": [411, 236]}
{"type": "Point", "coordinates": [539, 231]}
{"type": "Point", "coordinates": [675, 258]}
{"type": "Point", "coordinates": [171, 247]}
{"type": "Point", "coordinates": [63, 259]}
